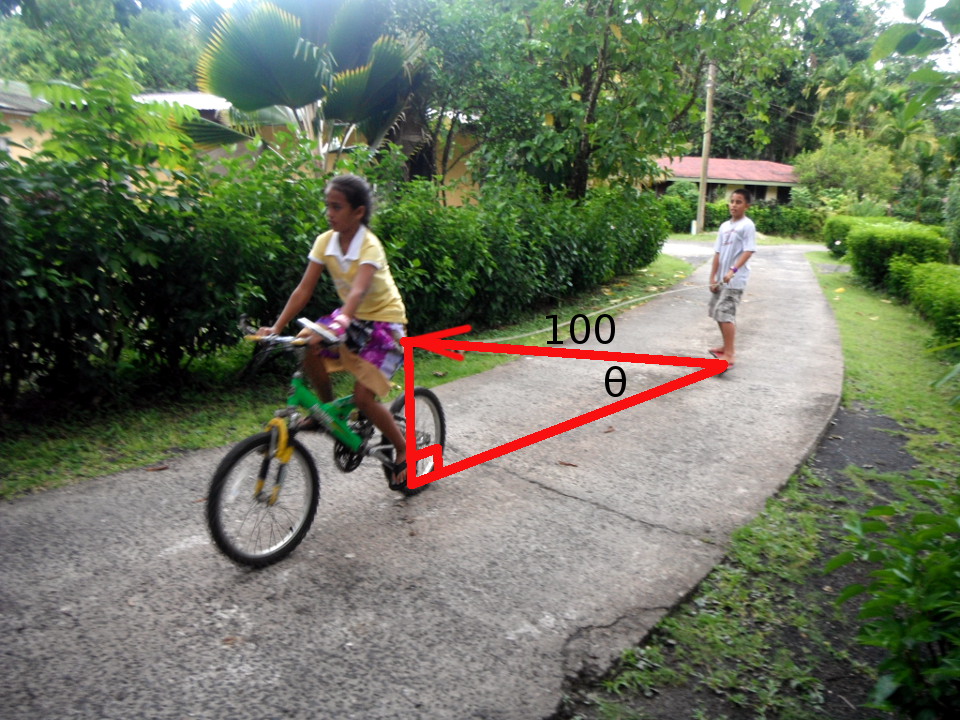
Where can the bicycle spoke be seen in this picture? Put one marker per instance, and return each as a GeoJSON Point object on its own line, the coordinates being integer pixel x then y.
{"type": "Point", "coordinates": [243, 522]}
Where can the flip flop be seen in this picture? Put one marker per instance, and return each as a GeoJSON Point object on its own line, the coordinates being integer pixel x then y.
{"type": "Point", "coordinates": [729, 364]}
{"type": "Point", "coordinates": [394, 484]}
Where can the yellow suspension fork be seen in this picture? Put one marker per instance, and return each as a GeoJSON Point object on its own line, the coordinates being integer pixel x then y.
{"type": "Point", "coordinates": [282, 450]}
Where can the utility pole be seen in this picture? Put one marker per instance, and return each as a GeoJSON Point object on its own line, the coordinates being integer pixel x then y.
{"type": "Point", "coordinates": [705, 154]}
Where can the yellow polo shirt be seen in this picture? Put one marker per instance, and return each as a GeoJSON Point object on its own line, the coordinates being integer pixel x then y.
{"type": "Point", "coordinates": [382, 301]}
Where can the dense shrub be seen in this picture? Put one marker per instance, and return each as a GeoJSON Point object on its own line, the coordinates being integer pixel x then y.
{"type": "Point", "coordinates": [899, 276]}
{"type": "Point", "coordinates": [910, 607]}
{"type": "Point", "coordinates": [113, 261]}
{"type": "Point", "coordinates": [934, 290]}
{"type": "Point", "coordinates": [716, 213]}
{"type": "Point", "coordinates": [679, 203]}
{"type": "Point", "coordinates": [678, 213]}
{"type": "Point", "coordinates": [436, 254]}
{"type": "Point", "coordinates": [951, 217]}
{"type": "Point", "coordinates": [771, 218]}
{"type": "Point", "coordinates": [540, 249]}
{"type": "Point", "coordinates": [686, 190]}
{"type": "Point", "coordinates": [872, 247]}
{"type": "Point", "coordinates": [836, 229]}
{"type": "Point", "coordinates": [122, 251]}
{"type": "Point", "coordinates": [785, 220]}
{"type": "Point", "coordinates": [637, 226]}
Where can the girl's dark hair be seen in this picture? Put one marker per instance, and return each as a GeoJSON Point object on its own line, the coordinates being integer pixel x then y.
{"type": "Point", "coordinates": [357, 192]}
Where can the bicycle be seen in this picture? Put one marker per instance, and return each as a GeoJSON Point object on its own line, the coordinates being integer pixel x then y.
{"type": "Point", "coordinates": [265, 492]}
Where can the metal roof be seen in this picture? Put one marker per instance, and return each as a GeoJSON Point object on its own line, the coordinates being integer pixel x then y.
{"type": "Point", "coordinates": [725, 171]}
{"type": "Point", "coordinates": [196, 100]}
{"type": "Point", "coordinates": [15, 97]}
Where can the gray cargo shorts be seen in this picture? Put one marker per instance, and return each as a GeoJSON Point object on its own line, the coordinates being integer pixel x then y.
{"type": "Point", "coordinates": [723, 304]}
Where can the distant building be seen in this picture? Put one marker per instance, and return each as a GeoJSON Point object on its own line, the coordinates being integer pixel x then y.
{"type": "Point", "coordinates": [17, 106]}
{"type": "Point", "coordinates": [764, 179]}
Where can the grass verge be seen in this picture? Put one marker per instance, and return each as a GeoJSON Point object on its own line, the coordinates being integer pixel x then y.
{"type": "Point", "coordinates": [39, 455]}
{"type": "Point", "coordinates": [762, 636]}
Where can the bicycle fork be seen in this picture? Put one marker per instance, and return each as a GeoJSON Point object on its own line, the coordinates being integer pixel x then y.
{"type": "Point", "coordinates": [280, 449]}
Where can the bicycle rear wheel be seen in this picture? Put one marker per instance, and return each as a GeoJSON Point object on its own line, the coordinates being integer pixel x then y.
{"type": "Point", "coordinates": [431, 429]}
{"type": "Point", "coordinates": [259, 509]}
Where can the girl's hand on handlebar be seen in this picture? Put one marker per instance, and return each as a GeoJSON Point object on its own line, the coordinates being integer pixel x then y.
{"type": "Point", "coordinates": [339, 322]}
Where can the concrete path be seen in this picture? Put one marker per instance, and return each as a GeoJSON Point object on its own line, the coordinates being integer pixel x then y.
{"type": "Point", "coordinates": [473, 600]}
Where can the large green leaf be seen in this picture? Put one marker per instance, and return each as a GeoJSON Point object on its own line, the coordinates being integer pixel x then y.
{"type": "Point", "coordinates": [889, 39]}
{"type": "Point", "coordinates": [253, 63]}
{"type": "Point", "coordinates": [949, 15]}
{"type": "Point", "coordinates": [356, 93]}
{"type": "Point", "coordinates": [356, 27]}
{"type": "Point", "coordinates": [386, 66]}
{"type": "Point", "coordinates": [207, 134]}
{"type": "Point", "coordinates": [315, 16]}
{"type": "Point", "coordinates": [264, 117]}
{"type": "Point", "coordinates": [913, 8]}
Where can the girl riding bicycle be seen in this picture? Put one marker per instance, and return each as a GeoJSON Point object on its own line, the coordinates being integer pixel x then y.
{"type": "Point", "coordinates": [371, 320]}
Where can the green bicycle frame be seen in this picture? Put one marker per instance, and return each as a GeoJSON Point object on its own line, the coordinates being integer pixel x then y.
{"type": "Point", "coordinates": [333, 415]}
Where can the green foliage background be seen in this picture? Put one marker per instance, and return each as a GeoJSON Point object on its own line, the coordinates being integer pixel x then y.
{"type": "Point", "coordinates": [128, 259]}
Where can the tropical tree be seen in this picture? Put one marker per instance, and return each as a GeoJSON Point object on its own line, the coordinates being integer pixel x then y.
{"type": "Point", "coordinates": [328, 68]}
{"type": "Point", "coordinates": [575, 91]}
{"type": "Point", "coordinates": [57, 40]}
{"type": "Point", "coordinates": [43, 39]}
{"type": "Point", "coordinates": [849, 163]}
{"type": "Point", "coordinates": [929, 36]}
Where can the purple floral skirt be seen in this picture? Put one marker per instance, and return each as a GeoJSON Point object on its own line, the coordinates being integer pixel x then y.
{"type": "Point", "coordinates": [374, 341]}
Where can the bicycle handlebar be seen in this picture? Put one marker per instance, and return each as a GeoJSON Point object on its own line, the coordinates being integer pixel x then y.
{"type": "Point", "coordinates": [328, 338]}
{"type": "Point", "coordinates": [291, 340]}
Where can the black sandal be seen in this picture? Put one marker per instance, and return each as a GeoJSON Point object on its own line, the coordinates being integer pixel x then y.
{"type": "Point", "coordinates": [394, 484]}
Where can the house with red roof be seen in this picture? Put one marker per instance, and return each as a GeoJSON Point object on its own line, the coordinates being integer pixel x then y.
{"type": "Point", "coordinates": [764, 179]}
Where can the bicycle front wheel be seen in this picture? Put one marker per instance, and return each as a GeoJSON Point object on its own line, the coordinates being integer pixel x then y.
{"type": "Point", "coordinates": [431, 429]}
{"type": "Point", "coordinates": [259, 509]}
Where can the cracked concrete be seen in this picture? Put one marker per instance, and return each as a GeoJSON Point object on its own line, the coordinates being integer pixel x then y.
{"type": "Point", "coordinates": [475, 599]}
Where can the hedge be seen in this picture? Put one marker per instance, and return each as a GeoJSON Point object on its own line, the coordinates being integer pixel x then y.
{"type": "Point", "coordinates": [934, 290]}
{"type": "Point", "coordinates": [511, 248]}
{"type": "Point", "coordinates": [871, 248]}
{"type": "Point", "coordinates": [837, 228]}
{"type": "Point", "coordinates": [770, 218]}
{"type": "Point", "coordinates": [99, 279]}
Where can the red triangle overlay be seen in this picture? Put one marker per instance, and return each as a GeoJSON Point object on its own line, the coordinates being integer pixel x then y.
{"type": "Point", "coordinates": [440, 343]}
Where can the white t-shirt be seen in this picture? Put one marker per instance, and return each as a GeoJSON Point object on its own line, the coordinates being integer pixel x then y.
{"type": "Point", "coordinates": [733, 239]}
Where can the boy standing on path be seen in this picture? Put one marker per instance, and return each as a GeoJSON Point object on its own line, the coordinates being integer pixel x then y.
{"type": "Point", "coordinates": [736, 242]}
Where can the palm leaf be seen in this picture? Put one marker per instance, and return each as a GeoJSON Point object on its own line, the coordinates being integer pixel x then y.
{"type": "Point", "coordinates": [355, 92]}
{"type": "Point", "coordinates": [387, 64]}
{"type": "Point", "coordinates": [345, 101]}
{"type": "Point", "coordinates": [315, 16]}
{"type": "Point", "coordinates": [265, 117]}
{"type": "Point", "coordinates": [208, 134]}
{"type": "Point", "coordinates": [355, 28]}
{"type": "Point", "coordinates": [207, 13]}
{"type": "Point", "coordinates": [253, 63]}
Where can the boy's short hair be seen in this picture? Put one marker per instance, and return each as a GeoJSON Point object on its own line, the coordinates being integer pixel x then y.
{"type": "Point", "coordinates": [743, 192]}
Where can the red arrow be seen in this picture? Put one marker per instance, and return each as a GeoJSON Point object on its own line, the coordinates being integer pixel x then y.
{"type": "Point", "coordinates": [440, 343]}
